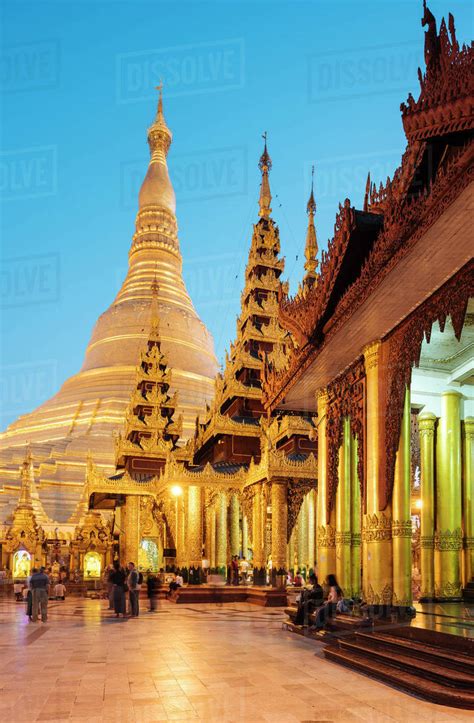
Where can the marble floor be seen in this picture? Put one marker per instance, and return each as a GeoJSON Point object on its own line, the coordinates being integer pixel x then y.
{"type": "Point", "coordinates": [203, 662]}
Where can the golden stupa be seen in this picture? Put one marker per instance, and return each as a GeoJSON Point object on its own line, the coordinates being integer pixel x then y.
{"type": "Point", "coordinates": [90, 406]}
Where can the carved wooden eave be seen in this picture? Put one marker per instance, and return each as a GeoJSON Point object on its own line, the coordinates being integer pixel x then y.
{"type": "Point", "coordinates": [98, 482]}
{"type": "Point", "coordinates": [289, 426]}
{"type": "Point", "coordinates": [221, 424]}
{"type": "Point", "coordinates": [405, 222]}
{"type": "Point", "coordinates": [267, 258]}
{"type": "Point", "coordinates": [275, 464]}
{"type": "Point", "coordinates": [208, 476]}
{"type": "Point", "coordinates": [446, 88]}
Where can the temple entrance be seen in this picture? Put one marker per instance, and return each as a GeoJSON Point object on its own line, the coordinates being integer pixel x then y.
{"type": "Point", "coordinates": [21, 564]}
{"type": "Point", "coordinates": [92, 565]}
{"type": "Point", "coordinates": [149, 556]}
{"type": "Point", "coordinates": [442, 406]}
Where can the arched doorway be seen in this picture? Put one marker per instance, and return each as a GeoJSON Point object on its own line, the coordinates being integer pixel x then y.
{"type": "Point", "coordinates": [21, 564]}
{"type": "Point", "coordinates": [92, 565]}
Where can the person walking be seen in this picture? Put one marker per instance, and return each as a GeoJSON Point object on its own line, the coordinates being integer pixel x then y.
{"type": "Point", "coordinates": [133, 582]}
{"type": "Point", "coordinates": [40, 590]}
{"type": "Point", "coordinates": [118, 578]}
{"type": "Point", "coordinates": [153, 585]}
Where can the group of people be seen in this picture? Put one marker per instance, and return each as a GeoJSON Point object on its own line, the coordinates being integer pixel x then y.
{"type": "Point", "coordinates": [36, 591]}
{"type": "Point", "coordinates": [324, 602]}
{"type": "Point", "coordinates": [121, 581]}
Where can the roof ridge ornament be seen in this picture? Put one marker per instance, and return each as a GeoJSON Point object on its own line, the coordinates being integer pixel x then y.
{"type": "Point", "coordinates": [265, 165]}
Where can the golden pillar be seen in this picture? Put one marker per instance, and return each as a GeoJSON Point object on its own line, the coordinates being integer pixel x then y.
{"type": "Point", "coordinates": [279, 525]}
{"type": "Point", "coordinates": [356, 518]}
{"type": "Point", "coordinates": [131, 528]}
{"type": "Point", "coordinates": [234, 525]}
{"type": "Point", "coordinates": [426, 427]}
{"type": "Point", "coordinates": [325, 534]}
{"type": "Point", "coordinates": [303, 535]}
{"type": "Point", "coordinates": [257, 537]}
{"type": "Point", "coordinates": [213, 535]}
{"type": "Point", "coordinates": [245, 537]}
{"type": "Point", "coordinates": [343, 511]}
{"type": "Point", "coordinates": [448, 537]}
{"type": "Point", "coordinates": [377, 534]}
{"type": "Point", "coordinates": [194, 530]}
{"type": "Point", "coordinates": [468, 499]}
{"type": "Point", "coordinates": [291, 552]}
{"type": "Point", "coordinates": [180, 541]}
{"type": "Point", "coordinates": [401, 514]}
{"type": "Point", "coordinates": [311, 530]}
{"type": "Point", "coordinates": [222, 532]}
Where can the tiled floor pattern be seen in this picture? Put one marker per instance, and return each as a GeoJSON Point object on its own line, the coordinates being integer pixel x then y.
{"type": "Point", "coordinates": [206, 662]}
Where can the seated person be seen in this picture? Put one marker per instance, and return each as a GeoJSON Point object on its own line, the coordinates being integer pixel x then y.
{"type": "Point", "coordinates": [310, 599]}
{"type": "Point", "coordinates": [330, 607]}
{"type": "Point", "coordinates": [299, 580]}
{"type": "Point", "coordinates": [176, 583]}
{"type": "Point", "coordinates": [60, 591]}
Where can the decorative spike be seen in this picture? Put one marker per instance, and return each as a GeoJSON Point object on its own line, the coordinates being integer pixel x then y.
{"type": "Point", "coordinates": [265, 164]}
{"type": "Point", "coordinates": [311, 248]}
{"type": "Point", "coordinates": [367, 193]}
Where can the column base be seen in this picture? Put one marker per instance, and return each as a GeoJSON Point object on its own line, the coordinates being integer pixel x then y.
{"type": "Point", "coordinates": [279, 578]}
{"type": "Point", "coordinates": [454, 599]}
{"type": "Point", "coordinates": [195, 576]}
{"type": "Point", "coordinates": [259, 576]}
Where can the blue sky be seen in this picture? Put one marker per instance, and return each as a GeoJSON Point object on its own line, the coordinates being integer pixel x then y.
{"type": "Point", "coordinates": [325, 79]}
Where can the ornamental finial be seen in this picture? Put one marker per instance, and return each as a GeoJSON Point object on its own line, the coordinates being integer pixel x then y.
{"type": "Point", "coordinates": [311, 248]}
{"type": "Point", "coordinates": [265, 164]}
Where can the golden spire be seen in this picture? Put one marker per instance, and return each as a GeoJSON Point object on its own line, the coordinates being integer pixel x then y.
{"type": "Point", "coordinates": [311, 249]}
{"type": "Point", "coordinates": [157, 190]}
{"type": "Point", "coordinates": [29, 504]}
{"type": "Point", "coordinates": [265, 199]}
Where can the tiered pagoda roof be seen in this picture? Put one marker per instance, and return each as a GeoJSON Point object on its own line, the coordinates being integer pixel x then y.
{"type": "Point", "coordinates": [151, 431]}
{"type": "Point", "coordinates": [237, 406]}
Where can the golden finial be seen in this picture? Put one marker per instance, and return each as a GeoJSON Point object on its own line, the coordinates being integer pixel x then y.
{"type": "Point", "coordinates": [311, 248]}
{"type": "Point", "coordinates": [311, 206]}
{"type": "Point", "coordinates": [265, 164]}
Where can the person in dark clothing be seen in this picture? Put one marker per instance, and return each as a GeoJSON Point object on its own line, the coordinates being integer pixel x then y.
{"type": "Point", "coordinates": [117, 578]}
{"type": "Point", "coordinates": [310, 599]}
{"type": "Point", "coordinates": [153, 585]}
{"type": "Point", "coordinates": [40, 588]}
{"type": "Point", "coordinates": [133, 582]}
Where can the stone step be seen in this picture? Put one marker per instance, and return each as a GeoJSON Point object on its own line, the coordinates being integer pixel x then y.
{"type": "Point", "coordinates": [423, 651]}
{"type": "Point", "coordinates": [409, 662]}
{"type": "Point", "coordinates": [405, 680]}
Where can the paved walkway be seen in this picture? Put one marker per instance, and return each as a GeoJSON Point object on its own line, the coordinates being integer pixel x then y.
{"type": "Point", "coordinates": [183, 663]}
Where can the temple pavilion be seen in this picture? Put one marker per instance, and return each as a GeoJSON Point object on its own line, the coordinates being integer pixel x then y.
{"type": "Point", "coordinates": [339, 435]}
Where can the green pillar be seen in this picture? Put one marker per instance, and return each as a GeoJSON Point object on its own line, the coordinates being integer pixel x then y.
{"type": "Point", "coordinates": [448, 538]}
{"type": "Point", "coordinates": [426, 427]}
{"type": "Point", "coordinates": [343, 512]}
{"type": "Point", "coordinates": [356, 522]}
{"type": "Point", "coordinates": [401, 515]}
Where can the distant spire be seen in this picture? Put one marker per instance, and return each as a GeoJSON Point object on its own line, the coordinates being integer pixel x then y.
{"type": "Point", "coordinates": [311, 248]}
{"type": "Point", "coordinates": [265, 199]}
{"type": "Point", "coordinates": [367, 193]}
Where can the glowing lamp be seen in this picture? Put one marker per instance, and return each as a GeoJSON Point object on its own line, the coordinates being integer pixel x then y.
{"type": "Point", "coordinates": [419, 504]}
{"type": "Point", "coordinates": [176, 491]}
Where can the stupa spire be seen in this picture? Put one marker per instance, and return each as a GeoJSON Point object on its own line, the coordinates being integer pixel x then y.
{"type": "Point", "coordinates": [157, 192]}
{"type": "Point", "coordinates": [29, 504]}
{"type": "Point", "coordinates": [311, 248]}
{"type": "Point", "coordinates": [265, 199]}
